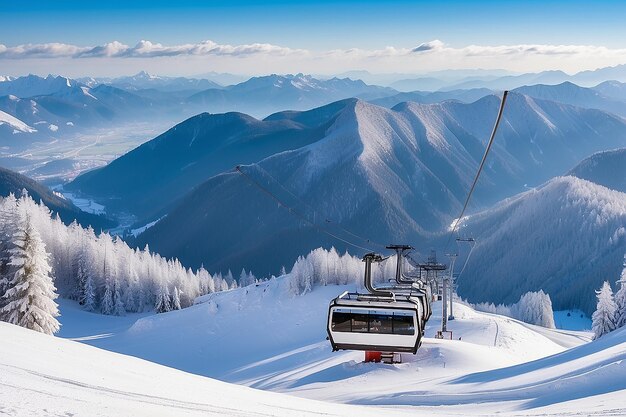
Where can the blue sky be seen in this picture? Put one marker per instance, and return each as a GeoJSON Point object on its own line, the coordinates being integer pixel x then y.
{"type": "Point", "coordinates": [319, 27]}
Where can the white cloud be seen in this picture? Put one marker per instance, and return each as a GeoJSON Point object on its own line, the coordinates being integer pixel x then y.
{"type": "Point", "coordinates": [143, 49]}
{"type": "Point", "coordinates": [191, 58]}
{"type": "Point", "coordinates": [42, 50]}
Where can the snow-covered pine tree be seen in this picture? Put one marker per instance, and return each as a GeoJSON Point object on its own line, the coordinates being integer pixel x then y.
{"type": "Point", "coordinates": [230, 280]}
{"type": "Point", "coordinates": [603, 319]}
{"type": "Point", "coordinates": [535, 308]}
{"type": "Point", "coordinates": [81, 276]}
{"type": "Point", "coordinates": [620, 300]}
{"type": "Point", "coordinates": [243, 278]}
{"type": "Point", "coordinates": [118, 308]}
{"type": "Point", "coordinates": [29, 300]}
{"type": "Point", "coordinates": [89, 294]}
{"type": "Point", "coordinates": [132, 292]}
{"type": "Point", "coordinates": [163, 303]}
{"type": "Point", "coordinates": [251, 278]}
{"type": "Point", "coordinates": [107, 305]}
{"type": "Point", "coordinates": [8, 223]}
{"type": "Point", "coordinates": [176, 299]}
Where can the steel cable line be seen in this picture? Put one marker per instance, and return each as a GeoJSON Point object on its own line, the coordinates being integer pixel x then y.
{"type": "Point", "coordinates": [312, 209]}
{"type": "Point", "coordinates": [480, 168]}
{"type": "Point", "coordinates": [296, 213]}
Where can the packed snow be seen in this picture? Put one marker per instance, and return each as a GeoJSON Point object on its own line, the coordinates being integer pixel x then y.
{"type": "Point", "coordinates": [264, 337]}
{"type": "Point", "coordinates": [44, 375]}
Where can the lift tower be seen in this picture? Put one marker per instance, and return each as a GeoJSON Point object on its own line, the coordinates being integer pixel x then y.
{"type": "Point", "coordinates": [432, 269]}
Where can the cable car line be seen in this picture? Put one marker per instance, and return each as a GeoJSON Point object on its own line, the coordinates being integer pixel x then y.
{"type": "Point", "coordinates": [480, 168]}
{"type": "Point", "coordinates": [314, 211]}
{"type": "Point", "coordinates": [297, 214]}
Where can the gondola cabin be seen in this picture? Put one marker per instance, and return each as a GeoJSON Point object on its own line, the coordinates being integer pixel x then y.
{"type": "Point", "coordinates": [373, 323]}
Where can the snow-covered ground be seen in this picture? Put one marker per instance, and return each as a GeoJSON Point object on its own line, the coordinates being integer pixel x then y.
{"type": "Point", "coordinates": [85, 204]}
{"type": "Point", "coordinates": [46, 376]}
{"type": "Point", "coordinates": [262, 337]}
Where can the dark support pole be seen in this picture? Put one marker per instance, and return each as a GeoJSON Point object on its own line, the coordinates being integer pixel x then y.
{"type": "Point", "coordinates": [368, 259]}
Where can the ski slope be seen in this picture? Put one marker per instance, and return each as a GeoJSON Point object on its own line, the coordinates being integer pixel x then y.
{"type": "Point", "coordinates": [47, 376]}
{"type": "Point", "coordinates": [264, 338]}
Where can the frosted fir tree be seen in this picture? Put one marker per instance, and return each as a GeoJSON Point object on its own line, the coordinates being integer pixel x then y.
{"type": "Point", "coordinates": [89, 294]}
{"type": "Point", "coordinates": [620, 300]}
{"type": "Point", "coordinates": [29, 299]}
{"type": "Point", "coordinates": [118, 303]}
{"type": "Point", "coordinates": [230, 280]}
{"type": "Point", "coordinates": [8, 224]}
{"type": "Point", "coordinates": [535, 308]}
{"type": "Point", "coordinates": [107, 305]}
{"type": "Point", "coordinates": [87, 290]}
{"type": "Point", "coordinates": [163, 304]}
{"type": "Point", "coordinates": [603, 319]}
{"type": "Point", "coordinates": [176, 299]}
{"type": "Point", "coordinates": [243, 278]}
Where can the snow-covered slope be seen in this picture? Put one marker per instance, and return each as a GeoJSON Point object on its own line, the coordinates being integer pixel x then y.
{"type": "Point", "coordinates": [153, 176]}
{"type": "Point", "coordinates": [144, 80]}
{"type": "Point", "coordinates": [18, 126]}
{"type": "Point", "coordinates": [389, 175]}
{"type": "Point", "coordinates": [57, 105]}
{"type": "Point", "coordinates": [33, 85]}
{"type": "Point", "coordinates": [262, 337]}
{"type": "Point", "coordinates": [565, 237]}
{"type": "Point", "coordinates": [613, 89]}
{"type": "Point", "coordinates": [570, 93]}
{"type": "Point", "coordinates": [606, 168]}
{"type": "Point", "coordinates": [14, 183]}
{"type": "Point", "coordinates": [427, 97]}
{"type": "Point", "coordinates": [260, 96]}
{"type": "Point", "coordinates": [44, 375]}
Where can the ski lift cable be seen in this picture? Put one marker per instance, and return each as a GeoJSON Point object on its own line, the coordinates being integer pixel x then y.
{"type": "Point", "coordinates": [297, 214]}
{"type": "Point", "coordinates": [467, 259]}
{"type": "Point", "coordinates": [314, 211]}
{"type": "Point", "coordinates": [480, 168]}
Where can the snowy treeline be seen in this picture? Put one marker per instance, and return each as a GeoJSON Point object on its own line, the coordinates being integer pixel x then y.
{"type": "Point", "coordinates": [532, 307]}
{"type": "Point", "coordinates": [328, 267]}
{"type": "Point", "coordinates": [610, 311]}
{"type": "Point", "coordinates": [100, 271]}
{"type": "Point", "coordinates": [26, 290]}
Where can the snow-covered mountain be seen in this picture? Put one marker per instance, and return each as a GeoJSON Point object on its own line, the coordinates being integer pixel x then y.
{"type": "Point", "coordinates": [565, 237]}
{"type": "Point", "coordinates": [13, 124]}
{"type": "Point", "coordinates": [58, 106]}
{"type": "Point", "coordinates": [613, 89]}
{"type": "Point", "coordinates": [509, 82]}
{"type": "Point", "coordinates": [144, 80]}
{"type": "Point", "coordinates": [33, 85]}
{"type": "Point", "coordinates": [607, 168]}
{"type": "Point", "coordinates": [593, 77]}
{"type": "Point", "coordinates": [12, 182]}
{"type": "Point", "coordinates": [425, 97]}
{"type": "Point", "coordinates": [260, 96]}
{"type": "Point", "coordinates": [388, 175]}
{"type": "Point", "coordinates": [574, 95]}
{"type": "Point", "coordinates": [152, 177]}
